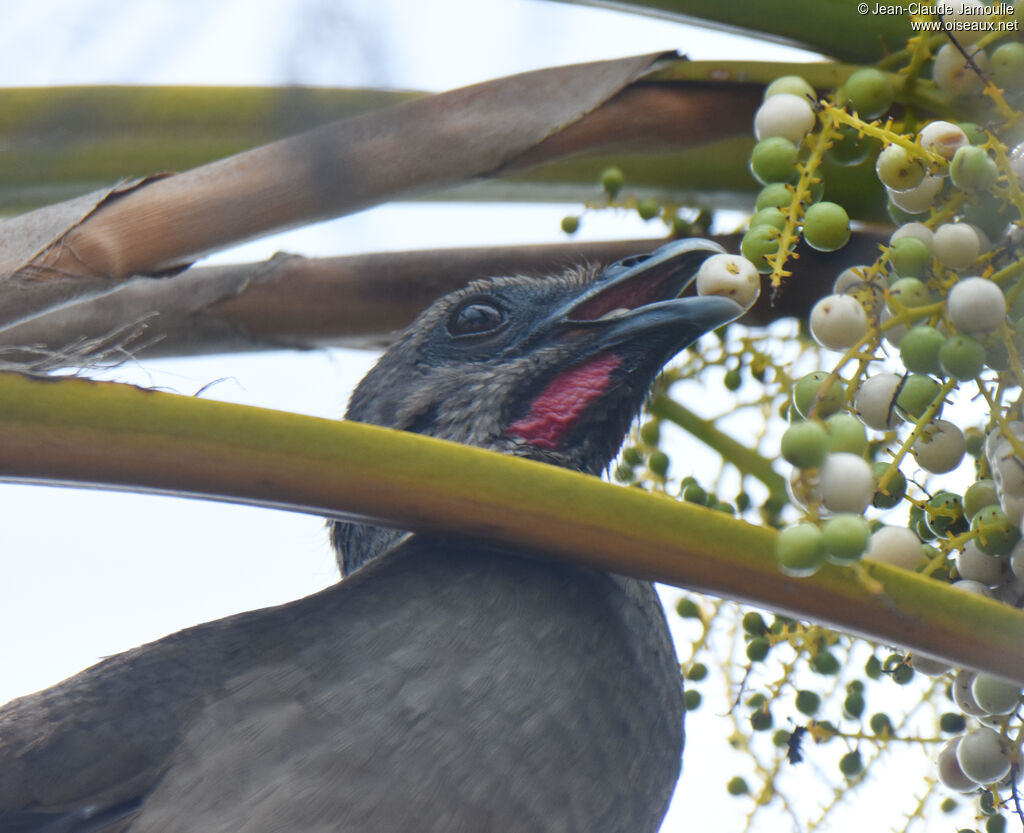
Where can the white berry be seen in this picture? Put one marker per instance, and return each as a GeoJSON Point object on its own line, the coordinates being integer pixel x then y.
{"type": "Point", "coordinates": [838, 322]}
{"type": "Point", "coordinates": [1013, 508]}
{"type": "Point", "coordinates": [949, 772]}
{"type": "Point", "coordinates": [785, 115]}
{"type": "Point", "coordinates": [929, 665]}
{"type": "Point", "coordinates": [994, 695]}
{"type": "Point", "coordinates": [855, 277]}
{"type": "Point", "coordinates": [953, 75]}
{"type": "Point", "coordinates": [1017, 559]}
{"type": "Point", "coordinates": [982, 756]}
{"type": "Point", "coordinates": [874, 402]}
{"type": "Point", "coordinates": [919, 199]}
{"type": "Point", "coordinates": [895, 545]}
{"type": "Point", "coordinates": [974, 588]}
{"type": "Point", "coordinates": [940, 448]}
{"type": "Point", "coordinates": [1017, 161]}
{"type": "Point", "coordinates": [975, 565]}
{"type": "Point", "coordinates": [943, 138]}
{"type": "Point", "coordinates": [962, 695]}
{"type": "Point", "coordinates": [730, 276]}
{"type": "Point", "coordinates": [847, 484]}
{"type": "Point", "coordinates": [957, 245]}
{"type": "Point", "coordinates": [976, 305]}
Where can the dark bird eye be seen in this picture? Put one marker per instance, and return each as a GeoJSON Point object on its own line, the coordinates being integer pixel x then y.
{"type": "Point", "coordinates": [475, 318]}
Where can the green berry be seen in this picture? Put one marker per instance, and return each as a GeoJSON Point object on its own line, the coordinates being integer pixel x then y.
{"type": "Point", "coordinates": [880, 724]}
{"type": "Point", "coordinates": [902, 674]}
{"type": "Point", "coordinates": [737, 786]}
{"type": "Point", "coordinates": [845, 538]}
{"type": "Point", "coordinates": [910, 256]}
{"type": "Point", "coordinates": [650, 432]}
{"type": "Point", "coordinates": [688, 609]}
{"type": "Point", "coordinates": [850, 764]}
{"type": "Point", "coordinates": [961, 356]}
{"type": "Point", "coordinates": [870, 93]}
{"type": "Point", "coordinates": [758, 244]}
{"type": "Point", "coordinates": [761, 721]}
{"type": "Point", "coordinates": [753, 624]}
{"type": "Point", "coordinates": [849, 147]}
{"type": "Point", "coordinates": [943, 511]}
{"type": "Point", "coordinates": [810, 396]}
{"type": "Point", "coordinates": [612, 180]}
{"type": "Point", "coordinates": [873, 668]}
{"type": "Point", "coordinates": [996, 535]}
{"type": "Point", "coordinates": [1007, 62]}
{"type": "Point", "coordinates": [624, 473]}
{"type": "Point", "coordinates": [895, 489]}
{"type": "Point", "coordinates": [570, 224]}
{"type": "Point", "coordinates": [769, 217]}
{"type": "Point", "coordinates": [648, 209]}
{"type": "Point", "coordinates": [692, 699]}
{"type": "Point", "coordinates": [799, 549]}
{"type": "Point", "coordinates": [825, 663]}
{"type": "Point", "coordinates": [975, 442]}
{"type": "Point", "coordinates": [658, 463]}
{"type": "Point", "coordinates": [975, 135]}
{"type": "Point", "coordinates": [952, 723]}
{"type": "Point", "coordinates": [632, 456]}
{"type": "Point", "coordinates": [853, 705]}
{"type": "Point", "coordinates": [846, 433]}
{"type": "Point", "coordinates": [979, 494]}
{"type": "Point", "coordinates": [698, 671]}
{"type": "Point", "coordinates": [808, 702]}
{"type": "Point", "coordinates": [909, 293]}
{"type": "Point", "coordinates": [918, 393]}
{"type": "Point", "coordinates": [773, 195]}
{"type": "Point", "coordinates": [972, 169]}
{"type": "Point", "coordinates": [995, 824]}
{"type": "Point", "coordinates": [693, 493]}
{"type": "Point", "coordinates": [997, 355]}
{"type": "Point", "coordinates": [757, 649]}
{"type": "Point", "coordinates": [919, 349]}
{"type": "Point", "coordinates": [733, 379]}
{"type": "Point", "coordinates": [948, 804]}
{"type": "Point", "coordinates": [898, 170]}
{"type": "Point", "coordinates": [681, 227]}
{"type": "Point", "coordinates": [774, 160]}
{"type": "Point", "coordinates": [805, 444]}
{"type": "Point", "coordinates": [826, 226]}
{"type": "Point", "coordinates": [792, 84]}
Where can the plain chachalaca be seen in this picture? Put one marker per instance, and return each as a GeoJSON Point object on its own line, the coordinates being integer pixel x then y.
{"type": "Point", "coordinates": [442, 685]}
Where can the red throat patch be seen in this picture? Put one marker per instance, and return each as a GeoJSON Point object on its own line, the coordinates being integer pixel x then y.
{"type": "Point", "coordinates": [557, 408]}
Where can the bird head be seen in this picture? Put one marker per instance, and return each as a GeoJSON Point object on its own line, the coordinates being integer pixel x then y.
{"type": "Point", "coordinates": [551, 368]}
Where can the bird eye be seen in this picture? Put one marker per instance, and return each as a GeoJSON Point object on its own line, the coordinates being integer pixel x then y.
{"type": "Point", "coordinates": [475, 318]}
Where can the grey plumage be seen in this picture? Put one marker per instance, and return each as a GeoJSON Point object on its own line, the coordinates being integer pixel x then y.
{"type": "Point", "coordinates": [442, 685]}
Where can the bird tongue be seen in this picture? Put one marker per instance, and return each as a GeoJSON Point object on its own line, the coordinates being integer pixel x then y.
{"type": "Point", "coordinates": [559, 406]}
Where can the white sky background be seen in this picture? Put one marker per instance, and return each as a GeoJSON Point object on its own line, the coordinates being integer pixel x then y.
{"type": "Point", "coordinates": [88, 574]}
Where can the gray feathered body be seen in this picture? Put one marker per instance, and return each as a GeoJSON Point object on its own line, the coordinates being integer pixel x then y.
{"type": "Point", "coordinates": [529, 705]}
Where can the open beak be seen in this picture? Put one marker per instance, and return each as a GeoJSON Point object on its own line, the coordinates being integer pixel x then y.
{"type": "Point", "coordinates": [640, 296]}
